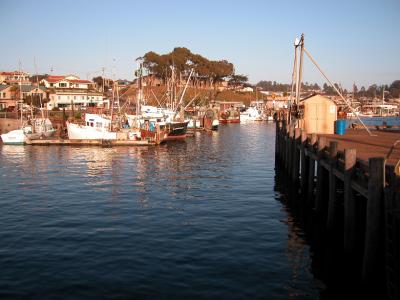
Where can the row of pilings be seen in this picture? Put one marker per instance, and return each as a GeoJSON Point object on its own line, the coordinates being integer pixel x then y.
{"type": "Point", "coordinates": [355, 207]}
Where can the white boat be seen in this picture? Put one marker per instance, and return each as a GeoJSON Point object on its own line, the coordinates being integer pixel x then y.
{"type": "Point", "coordinates": [39, 129]}
{"type": "Point", "coordinates": [251, 114]}
{"type": "Point", "coordinates": [14, 137]}
{"type": "Point", "coordinates": [191, 124]}
{"type": "Point", "coordinates": [96, 127]}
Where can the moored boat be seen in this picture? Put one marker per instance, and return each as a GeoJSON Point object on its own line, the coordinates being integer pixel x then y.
{"type": "Point", "coordinates": [14, 137]}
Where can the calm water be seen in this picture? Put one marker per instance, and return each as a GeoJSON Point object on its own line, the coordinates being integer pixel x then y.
{"type": "Point", "coordinates": [377, 121]}
{"type": "Point", "coordinates": [194, 219]}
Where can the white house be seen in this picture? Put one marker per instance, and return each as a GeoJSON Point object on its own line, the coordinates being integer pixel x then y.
{"type": "Point", "coordinates": [247, 89]}
{"type": "Point", "coordinates": [14, 78]}
{"type": "Point", "coordinates": [70, 90]}
{"type": "Point", "coordinates": [66, 82]}
{"type": "Point", "coordinates": [79, 99]}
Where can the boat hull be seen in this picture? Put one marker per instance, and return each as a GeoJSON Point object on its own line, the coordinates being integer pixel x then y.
{"type": "Point", "coordinates": [176, 131]}
{"type": "Point", "coordinates": [228, 121]}
{"type": "Point", "coordinates": [79, 132]}
{"type": "Point", "coordinates": [14, 137]}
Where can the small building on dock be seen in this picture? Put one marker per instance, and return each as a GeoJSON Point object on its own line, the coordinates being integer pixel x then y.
{"type": "Point", "coordinates": [317, 114]}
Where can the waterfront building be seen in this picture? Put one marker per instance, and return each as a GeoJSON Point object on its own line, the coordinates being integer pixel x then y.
{"type": "Point", "coordinates": [69, 81]}
{"type": "Point", "coordinates": [14, 78]}
{"type": "Point", "coordinates": [71, 91]}
{"type": "Point", "coordinates": [10, 95]}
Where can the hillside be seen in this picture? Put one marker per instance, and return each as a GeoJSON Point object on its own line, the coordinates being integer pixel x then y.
{"type": "Point", "coordinates": [204, 96]}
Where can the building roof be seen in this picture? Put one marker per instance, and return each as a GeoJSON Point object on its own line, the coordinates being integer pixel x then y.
{"type": "Point", "coordinates": [314, 95]}
{"type": "Point", "coordinates": [6, 73]}
{"type": "Point", "coordinates": [28, 88]}
{"type": "Point", "coordinates": [57, 78]}
{"type": "Point", "coordinates": [3, 87]}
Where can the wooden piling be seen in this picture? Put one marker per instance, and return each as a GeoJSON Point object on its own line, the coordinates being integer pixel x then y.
{"type": "Point", "coordinates": [296, 155]}
{"type": "Point", "coordinates": [322, 178]}
{"type": "Point", "coordinates": [374, 221]}
{"type": "Point", "coordinates": [311, 172]}
{"type": "Point", "coordinates": [330, 223]}
{"type": "Point", "coordinates": [304, 161]}
{"type": "Point", "coordinates": [350, 157]}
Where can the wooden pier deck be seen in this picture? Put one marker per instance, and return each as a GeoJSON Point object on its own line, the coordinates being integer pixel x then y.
{"type": "Point", "coordinates": [381, 144]}
{"type": "Point", "coordinates": [330, 173]}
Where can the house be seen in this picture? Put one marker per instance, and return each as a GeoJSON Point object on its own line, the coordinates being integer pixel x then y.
{"type": "Point", "coordinates": [70, 90]}
{"type": "Point", "coordinates": [7, 96]}
{"type": "Point", "coordinates": [14, 78]}
{"type": "Point", "coordinates": [32, 91]}
{"type": "Point", "coordinates": [246, 89]}
{"type": "Point", "coordinates": [65, 98]}
{"type": "Point", "coordinates": [10, 95]}
{"type": "Point", "coordinates": [66, 82]}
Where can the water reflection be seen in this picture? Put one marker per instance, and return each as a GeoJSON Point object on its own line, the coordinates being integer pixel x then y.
{"type": "Point", "coordinates": [194, 219]}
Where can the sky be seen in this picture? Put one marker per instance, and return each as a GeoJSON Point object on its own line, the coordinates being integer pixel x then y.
{"type": "Point", "coordinates": [353, 41]}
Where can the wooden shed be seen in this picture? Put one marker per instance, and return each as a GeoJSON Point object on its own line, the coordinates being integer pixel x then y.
{"type": "Point", "coordinates": [318, 114]}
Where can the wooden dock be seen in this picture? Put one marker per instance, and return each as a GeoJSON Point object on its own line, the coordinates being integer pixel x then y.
{"type": "Point", "coordinates": [326, 169]}
{"type": "Point", "coordinates": [103, 143]}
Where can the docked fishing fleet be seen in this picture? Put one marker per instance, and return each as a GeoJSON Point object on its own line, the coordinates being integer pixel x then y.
{"type": "Point", "coordinates": [150, 124]}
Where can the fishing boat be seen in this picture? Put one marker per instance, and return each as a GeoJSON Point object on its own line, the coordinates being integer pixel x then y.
{"type": "Point", "coordinates": [96, 127]}
{"type": "Point", "coordinates": [229, 116]}
{"type": "Point", "coordinates": [39, 128]}
{"type": "Point", "coordinates": [251, 114]}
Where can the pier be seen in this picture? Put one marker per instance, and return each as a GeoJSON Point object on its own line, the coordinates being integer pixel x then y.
{"type": "Point", "coordinates": [350, 185]}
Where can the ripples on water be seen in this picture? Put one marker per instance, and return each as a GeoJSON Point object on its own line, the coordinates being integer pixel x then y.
{"type": "Point", "coordinates": [194, 219]}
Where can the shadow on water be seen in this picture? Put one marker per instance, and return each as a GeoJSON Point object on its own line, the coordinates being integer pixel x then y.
{"type": "Point", "coordinates": [338, 272]}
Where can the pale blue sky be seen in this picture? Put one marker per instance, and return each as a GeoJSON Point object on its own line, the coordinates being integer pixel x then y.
{"type": "Point", "coordinates": [352, 40]}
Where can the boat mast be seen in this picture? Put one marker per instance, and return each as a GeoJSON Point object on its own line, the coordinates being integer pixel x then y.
{"type": "Point", "coordinates": [140, 85]}
{"type": "Point", "coordinates": [299, 78]}
{"type": "Point", "coordinates": [294, 76]}
{"type": "Point", "coordinates": [20, 90]}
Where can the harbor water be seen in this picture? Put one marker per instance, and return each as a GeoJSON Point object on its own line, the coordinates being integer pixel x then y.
{"type": "Point", "coordinates": [198, 219]}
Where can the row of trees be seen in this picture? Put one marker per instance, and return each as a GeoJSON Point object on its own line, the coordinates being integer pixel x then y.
{"type": "Point", "coordinates": [373, 91]}
{"type": "Point", "coordinates": [376, 91]}
{"type": "Point", "coordinates": [274, 86]}
{"type": "Point", "coordinates": [183, 61]}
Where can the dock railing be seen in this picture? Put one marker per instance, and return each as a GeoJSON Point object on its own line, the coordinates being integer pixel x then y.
{"type": "Point", "coordinates": [317, 169]}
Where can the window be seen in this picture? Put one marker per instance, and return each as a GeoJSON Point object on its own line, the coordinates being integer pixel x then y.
{"type": "Point", "coordinates": [74, 97]}
{"type": "Point", "coordinates": [98, 124]}
{"type": "Point", "coordinates": [59, 97]}
{"type": "Point", "coordinates": [51, 84]}
{"type": "Point", "coordinates": [62, 84]}
{"type": "Point", "coordinates": [4, 95]}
